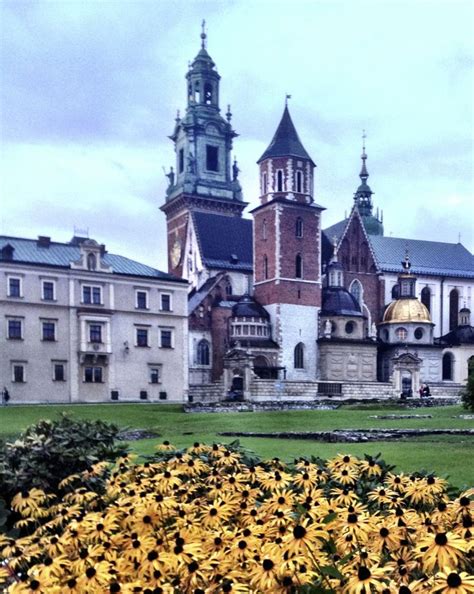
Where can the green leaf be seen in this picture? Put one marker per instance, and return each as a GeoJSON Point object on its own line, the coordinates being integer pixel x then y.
{"type": "Point", "coordinates": [329, 518]}
{"type": "Point", "coordinates": [331, 572]}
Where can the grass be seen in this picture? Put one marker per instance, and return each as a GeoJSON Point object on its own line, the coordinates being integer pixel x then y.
{"type": "Point", "coordinates": [445, 455]}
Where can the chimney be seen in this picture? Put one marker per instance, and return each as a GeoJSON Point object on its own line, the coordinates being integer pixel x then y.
{"type": "Point", "coordinates": [43, 241]}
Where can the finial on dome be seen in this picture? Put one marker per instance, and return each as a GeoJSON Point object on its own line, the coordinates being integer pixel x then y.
{"type": "Point", "coordinates": [203, 34]}
{"type": "Point", "coordinates": [406, 264]}
{"type": "Point", "coordinates": [363, 173]}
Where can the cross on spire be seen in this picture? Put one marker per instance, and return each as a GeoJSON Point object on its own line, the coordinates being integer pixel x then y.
{"type": "Point", "coordinates": [286, 99]}
{"type": "Point", "coordinates": [203, 34]}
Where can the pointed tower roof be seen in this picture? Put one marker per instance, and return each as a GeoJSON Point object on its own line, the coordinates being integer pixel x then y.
{"type": "Point", "coordinates": [285, 142]}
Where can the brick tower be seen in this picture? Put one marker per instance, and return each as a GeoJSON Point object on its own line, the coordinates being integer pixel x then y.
{"type": "Point", "coordinates": [204, 178]}
{"type": "Point", "coordinates": [287, 255]}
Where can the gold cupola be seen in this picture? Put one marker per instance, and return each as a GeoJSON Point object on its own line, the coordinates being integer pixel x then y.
{"type": "Point", "coordinates": [406, 310]}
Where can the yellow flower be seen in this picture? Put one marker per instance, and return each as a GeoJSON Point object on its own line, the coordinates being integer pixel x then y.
{"type": "Point", "coordinates": [443, 549]}
{"type": "Point", "coordinates": [453, 582]}
{"type": "Point", "coordinates": [365, 578]}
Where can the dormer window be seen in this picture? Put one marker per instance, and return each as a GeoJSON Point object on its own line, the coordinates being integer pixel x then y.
{"type": "Point", "coordinates": [91, 261]}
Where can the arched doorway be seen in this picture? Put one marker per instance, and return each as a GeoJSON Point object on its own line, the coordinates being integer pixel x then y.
{"type": "Point", "coordinates": [448, 361]}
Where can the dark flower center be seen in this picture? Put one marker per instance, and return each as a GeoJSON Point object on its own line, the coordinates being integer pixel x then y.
{"type": "Point", "coordinates": [346, 459]}
{"type": "Point", "coordinates": [281, 500]}
{"type": "Point", "coordinates": [213, 511]}
{"type": "Point", "coordinates": [299, 531]}
{"type": "Point", "coordinates": [192, 567]}
{"type": "Point", "coordinates": [71, 583]}
{"type": "Point", "coordinates": [383, 532]}
{"type": "Point", "coordinates": [152, 555]}
{"type": "Point", "coordinates": [115, 587]}
{"type": "Point", "coordinates": [464, 501]}
{"type": "Point", "coordinates": [441, 539]}
{"type": "Point", "coordinates": [146, 520]}
{"type": "Point", "coordinates": [34, 585]}
{"type": "Point", "coordinates": [352, 518]}
{"type": "Point", "coordinates": [242, 544]}
{"type": "Point", "coordinates": [267, 564]}
{"type": "Point", "coordinates": [90, 572]}
{"type": "Point", "coordinates": [363, 573]}
{"type": "Point", "coordinates": [454, 580]}
{"type": "Point", "coordinates": [442, 506]}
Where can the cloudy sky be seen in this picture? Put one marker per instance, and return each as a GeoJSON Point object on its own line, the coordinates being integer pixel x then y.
{"type": "Point", "coordinates": [90, 90]}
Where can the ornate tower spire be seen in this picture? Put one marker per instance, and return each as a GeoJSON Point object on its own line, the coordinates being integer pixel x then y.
{"type": "Point", "coordinates": [203, 34]}
{"type": "Point", "coordinates": [363, 197]}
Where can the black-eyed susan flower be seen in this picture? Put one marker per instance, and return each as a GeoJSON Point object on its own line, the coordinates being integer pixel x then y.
{"type": "Point", "coordinates": [450, 581]}
{"type": "Point", "coordinates": [443, 549]}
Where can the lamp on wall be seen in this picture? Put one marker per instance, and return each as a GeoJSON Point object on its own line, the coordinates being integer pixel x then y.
{"type": "Point", "coordinates": [126, 347]}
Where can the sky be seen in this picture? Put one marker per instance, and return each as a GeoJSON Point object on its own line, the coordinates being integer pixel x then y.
{"type": "Point", "coordinates": [90, 90]}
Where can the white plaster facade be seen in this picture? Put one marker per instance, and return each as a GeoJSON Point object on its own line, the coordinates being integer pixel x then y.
{"type": "Point", "coordinates": [94, 336]}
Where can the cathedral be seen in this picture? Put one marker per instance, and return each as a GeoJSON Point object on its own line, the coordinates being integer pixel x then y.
{"type": "Point", "coordinates": [281, 305]}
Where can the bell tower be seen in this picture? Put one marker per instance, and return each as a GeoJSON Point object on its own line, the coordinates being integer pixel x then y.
{"type": "Point", "coordinates": [287, 249]}
{"type": "Point", "coordinates": [204, 177]}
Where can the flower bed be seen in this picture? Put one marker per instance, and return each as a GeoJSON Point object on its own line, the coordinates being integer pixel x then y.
{"type": "Point", "coordinates": [212, 519]}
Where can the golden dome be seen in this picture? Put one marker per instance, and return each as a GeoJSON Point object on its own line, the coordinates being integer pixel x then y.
{"type": "Point", "coordinates": [406, 310]}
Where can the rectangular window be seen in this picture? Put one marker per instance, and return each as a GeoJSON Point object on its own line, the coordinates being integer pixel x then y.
{"type": "Point", "coordinates": [48, 331]}
{"type": "Point", "coordinates": [141, 299]}
{"type": "Point", "coordinates": [14, 287]}
{"type": "Point", "coordinates": [18, 373]}
{"type": "Point", "coordinates": [95, 333]}
{"type": "Point", "coordinates": [15, 329]}
{"type": "Point", "coordinates": [142, 337]}
{"type": "Point", "coordinates": [154, 375]}
{"type": "Point", "coordinates": [212, 158]}
{"type": "Point", "coordinates": [93, 375]}
{"type": "Point", "coordinates": [59, 372]}
{"type": "Point", "coordinates": [48, 291]}
{"type": "Point", "coordinates": [181, 161]}
{"type": "Point", "coordinates": [91, 295]}
{"type": "Point", "coordinates": [166, 339]}
{"type": "Point", "coordinates": [165, 303]}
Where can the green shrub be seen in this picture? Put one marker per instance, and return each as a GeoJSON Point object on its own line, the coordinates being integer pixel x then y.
{"type": "Point", "coordinates": [467, 396]}
{"type": "Point", "coordinates": [50, 451]}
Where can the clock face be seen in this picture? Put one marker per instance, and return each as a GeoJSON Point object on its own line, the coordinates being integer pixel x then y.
{"type": "Point", "coordinates": [176, 253]}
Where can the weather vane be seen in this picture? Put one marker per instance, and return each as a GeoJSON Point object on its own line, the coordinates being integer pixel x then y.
{"type": "Point", "coordinates": [203, 34]}
{"type": "Point", "coordinates": [286, 99]}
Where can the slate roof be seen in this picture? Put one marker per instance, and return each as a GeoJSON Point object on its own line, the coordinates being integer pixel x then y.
{"type": "Point", "coordinates": [60, 255]}
{"type": "Point", "coordinates": [225, 241]}
{"type": "Point", "coordinates": [458, 336]}
{"type": "Point", "coordinates": [426, 257]}
{"type": "Point", "coordinates": [285, 142]}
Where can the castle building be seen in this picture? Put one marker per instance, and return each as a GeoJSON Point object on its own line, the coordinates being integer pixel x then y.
{"type": "Point", "coordinates": [82, 325]}
{"type": "Point", "coordinates": [280, 298]}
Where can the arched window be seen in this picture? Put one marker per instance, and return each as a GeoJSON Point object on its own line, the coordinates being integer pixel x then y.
{"type": "Point", "coordinates": [401, 334]}
{"type": "Point", "coordinates": [426, 298]}
{"type": "Point", "coordinates": [197, 92]}
{"type": "Point", "coordinates": [453, 309]}
{"type": "Point", "coordinates": [279, 180]}
{"type": "Point", "coordinates": [299, 227]}
{"type": "Point", "coordinates": [91, 261]}
{"type": "Point", "coordinates": [208, 93]}
{"type": "Point", "coordinates": [202, 355]}
{"type": "Point", "coordinates": [299, 356]}
{"type": "Point", "coordinates": [265, 267]}
{"type": "Point", "coordinates": [228, 289]}
{"type": "Point", "coordinates": [264, 183]}
{"type": "Point", "coordinates": [264, 229]}
{"type": "Point", "coordinates": [356, 291]}
{"type": "Point", "coordinates": [396, 291]}
{"type": "Point", "coordinates": [299, 181]}
{"type": "Point", "coordinates": [299, 266]}
{"type": "Point", "coordinates": [447, 366]}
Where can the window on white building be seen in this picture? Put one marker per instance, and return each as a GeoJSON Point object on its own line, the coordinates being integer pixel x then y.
{"type": "Point", "coordinates": [18, 372]}
{"type": "Point", "coordinates": [299, 356]}
{"type": "Point", "coordinates": [165, 302]}
{"type": "Point", "coordinates": [95, 333]}
{"type": "Point", "coordinates": [91, 295]}
{"type": "Point", "coordinates": [15, 288]}
{"type": "Point", "coordinates": [154, 373]}
{"type": "Point", "coordinates": [142, 337]}
{"type": "Point", "coordinates": [141, 299]}
{"type": "Point", "coordinates": [15, 329]}
{"type": "Point", "coordinates": [48, 331]}
{"type": "Point", "coordinates": [166, 339]}
{"type": "Point", "coordinates": [203, 352]}
{"type": "Point", "coordinates": [48, 290]}
{"type": "Point", "coordinates": [93, 375]}
{"type": "Point", "coordinates": [59, 371]}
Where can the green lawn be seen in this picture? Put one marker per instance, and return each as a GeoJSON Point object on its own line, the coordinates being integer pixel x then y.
{"type": "Point", "coordinates": [446, 455]}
